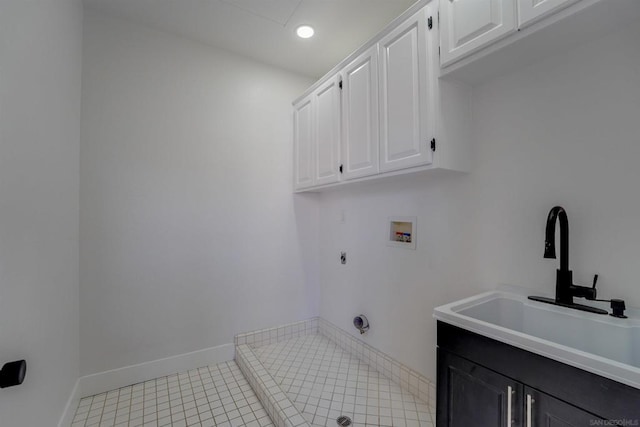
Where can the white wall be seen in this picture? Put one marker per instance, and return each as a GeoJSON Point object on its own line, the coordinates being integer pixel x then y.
{"type": "Point", "coordinates": [40, 71]}
{"type": "Point", "coordinates": [189, 231]}
{"type": "Point", "coordinates": [563, 131]}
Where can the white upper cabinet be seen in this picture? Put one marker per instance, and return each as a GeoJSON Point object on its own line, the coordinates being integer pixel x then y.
{"type": "Point", "coordinates": [468, 25]}
{"type": "Point", "coordinates": [530, 11]}
{"type": "Point", "coordinates": [326, 103]}
{"type": "Point", "coordinates": [316, 136]}
{"type": "Point", "coordinates": [383, 111]}
{"type": "Point", "coordinates": [360, 116]}
{"type": "Point", "coordinates": [406, 95]}
{"type": "Point", "coordinates": [303, 148]}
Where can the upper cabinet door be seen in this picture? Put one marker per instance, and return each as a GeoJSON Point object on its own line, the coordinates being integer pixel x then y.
{"type": "Point", "coordinates": [327, 132]}
{"type": "Point", "coordinates": [467, 25]}
{"type": "Point", "coordinates": [406, 94]}
{"type": "Point", "coordinates": [530, 11]}
{"type": "Point", "coordinates": [303, 146]}
{"type": "Point", "coordinates": [360, 116]}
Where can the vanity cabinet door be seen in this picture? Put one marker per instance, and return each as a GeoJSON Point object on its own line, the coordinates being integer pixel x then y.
{"type": "Point", "coordinates": [546, 411]}
{"type": "Point", "coordinates": [468, 25]}
{"type": "Point", "coordinates": [471, 395]}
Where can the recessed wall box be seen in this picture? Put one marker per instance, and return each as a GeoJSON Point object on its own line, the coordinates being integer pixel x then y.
{"type": "Point", "coordinates": [402, 232]}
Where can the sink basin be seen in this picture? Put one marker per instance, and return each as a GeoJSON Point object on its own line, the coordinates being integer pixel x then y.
{"type": "Point", "coordinates": [604, 345]}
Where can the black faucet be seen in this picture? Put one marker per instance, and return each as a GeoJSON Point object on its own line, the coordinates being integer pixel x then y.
{"type": "Point", "coordinates": [565, 289]}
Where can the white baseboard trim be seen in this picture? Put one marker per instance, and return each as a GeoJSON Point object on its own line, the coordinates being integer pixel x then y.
{"type": "Point", "coordinates": [122, 377]}
{"type": "Point", "coordinates": [101, 382]}
{"type": "Point", "coordinates": [70, 408]}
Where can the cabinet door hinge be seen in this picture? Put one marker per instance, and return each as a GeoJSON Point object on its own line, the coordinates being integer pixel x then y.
{"type": "Point", "coordinates": [433, 144]}
{"type": "Point", "coordinates": [430, 22]}
{"type": "Point", "coordinates": [340, 168]}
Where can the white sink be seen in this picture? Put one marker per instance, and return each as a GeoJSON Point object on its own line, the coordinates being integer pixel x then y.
{"type": "Point", "coordinates": [597, 343]}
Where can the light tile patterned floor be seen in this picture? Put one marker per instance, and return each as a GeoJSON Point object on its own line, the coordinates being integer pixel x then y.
{"type": "Point", "coordinates": [325, 382]}
{"type": "Point", "coordinates": [216, 395]}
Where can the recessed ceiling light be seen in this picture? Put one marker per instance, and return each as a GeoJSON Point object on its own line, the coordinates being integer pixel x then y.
{"type": "Point", "coordinates": [304, 31]}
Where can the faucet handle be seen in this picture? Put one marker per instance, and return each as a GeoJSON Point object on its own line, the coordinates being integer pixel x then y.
{"type": "Point", "coordinates": [594, 293]}
{"type": "Point", "coordinates": [585, 292]}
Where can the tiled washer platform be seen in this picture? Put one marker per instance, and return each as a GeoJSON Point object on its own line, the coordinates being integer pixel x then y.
{"type": "Point", "coordinates": [324, 382]}
{"type": "Point", "coordinates": [216, 395]}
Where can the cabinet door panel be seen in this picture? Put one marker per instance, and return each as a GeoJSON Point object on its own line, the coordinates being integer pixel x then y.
{"type": "Point", "coordinates": [303, 144]}
{"type": "Point", "coordinates": [530, 11]}
{"type": "Point", "coordinates": [360, 116]}
{"type": "Point", "coordinates": [470, 395]}
{"type": "Point", "coordinates": [468, 25]}
{"type": "Point", "coordinates": [406, 95]}
{"type": "Point", "coordinates": [327, 133]}
{"type": "Point", "coordinates": [548, 411]}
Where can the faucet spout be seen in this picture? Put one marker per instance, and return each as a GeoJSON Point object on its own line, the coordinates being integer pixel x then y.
{"type": "Point", "coordinates": [564, 276]}
{"type": "Point", "coordinates": [565, 289]}
{"type": "Point", "coordinates": [555, 214]}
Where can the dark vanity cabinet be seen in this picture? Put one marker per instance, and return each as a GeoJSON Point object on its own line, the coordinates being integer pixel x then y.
{"type": "Point", "coordinates": [549, 411]}
{"type": "Point", "coordinates": [486, 383]}
{"type": "Point", "coordinates": [476, 395]}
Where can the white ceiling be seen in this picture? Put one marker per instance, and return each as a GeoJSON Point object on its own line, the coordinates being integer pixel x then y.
{"type": "Point", "coordinates": [264, 29]}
